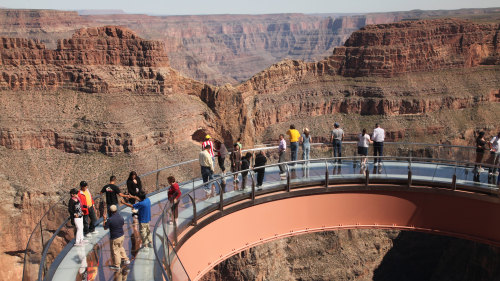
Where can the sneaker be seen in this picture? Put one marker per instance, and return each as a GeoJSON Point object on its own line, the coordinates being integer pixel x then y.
{"type": "Point", "coordinates": [88, 236]}
{"type": "Point", "coordinates": [480, 170]}
{"type": "Point", "coordinates": [114, 267]}
{"type": "Point", "coordinates": [237, 181]}
{"type": "Point", "coordinates": [94, 232]}
{"type": "Point", "coordinates": [127, 262]}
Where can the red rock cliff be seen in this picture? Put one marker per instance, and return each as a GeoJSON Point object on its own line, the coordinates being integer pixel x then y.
{"type": "Point", "coordinates": [391, 49]}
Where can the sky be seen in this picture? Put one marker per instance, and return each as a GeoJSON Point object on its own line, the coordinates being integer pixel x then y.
{"type": "Point", "coordinates": [197, 7]}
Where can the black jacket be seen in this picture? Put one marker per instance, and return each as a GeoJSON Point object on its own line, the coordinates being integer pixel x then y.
{"type": "Point", "coordinates": [260, 160]}
{"type": "Point", "coordinates": [132, 187]}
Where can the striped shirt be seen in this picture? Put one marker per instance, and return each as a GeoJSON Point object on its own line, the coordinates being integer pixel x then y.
{"type": "Point", "coordinates": [211, 150]}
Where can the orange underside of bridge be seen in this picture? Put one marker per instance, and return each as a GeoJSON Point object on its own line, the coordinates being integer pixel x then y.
{"type": "Point", "coordinates": [451, 213]}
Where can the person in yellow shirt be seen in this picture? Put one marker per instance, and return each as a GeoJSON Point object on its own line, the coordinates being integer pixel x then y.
{"type": "Point", "coordinates": [294, 142]}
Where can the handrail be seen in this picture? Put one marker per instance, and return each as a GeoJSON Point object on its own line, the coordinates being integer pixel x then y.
{"type": "Point", "coordinates": [43, 259]}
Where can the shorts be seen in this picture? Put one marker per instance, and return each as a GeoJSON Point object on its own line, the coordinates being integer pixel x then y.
{"type": "Point", "coordinates": [362, 150]}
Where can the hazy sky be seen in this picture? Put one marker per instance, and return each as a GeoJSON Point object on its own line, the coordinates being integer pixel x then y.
{"type": "Point", "coordinates": [183, 7]}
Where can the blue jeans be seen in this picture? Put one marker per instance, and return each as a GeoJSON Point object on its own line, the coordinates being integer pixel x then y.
{"type": "Point", "coordinates": [306, 150]}
{"type": "Point", "coordinates": [207, 175]}
{"type": "Point", "coordinates": [378, 148]}
{"type": "Point", "coordinates": [337, 148]}
{"type": "Point", "coordinates": [294, 150]}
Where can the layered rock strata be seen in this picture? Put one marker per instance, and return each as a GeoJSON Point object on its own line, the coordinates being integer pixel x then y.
{"type": "Point", "coordinates": [362, 255]}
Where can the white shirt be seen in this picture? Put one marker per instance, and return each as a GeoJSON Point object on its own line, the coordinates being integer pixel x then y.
{"type": "Point", "coordinates": [378, 135]}
{"type": "Point", "coordinates": [494, 144]}
{"type": "Point", "coordinates": [364, 141]}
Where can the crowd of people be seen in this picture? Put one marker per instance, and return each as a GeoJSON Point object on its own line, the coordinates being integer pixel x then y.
{"type": "Point", "coordinates": [82, 209]}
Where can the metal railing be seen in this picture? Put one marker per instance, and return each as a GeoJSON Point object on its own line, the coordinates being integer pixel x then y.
{"type": "Point", "coordinates": [41, 249]}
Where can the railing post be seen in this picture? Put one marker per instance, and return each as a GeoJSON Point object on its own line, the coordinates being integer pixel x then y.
{"type": "Point", "coordinates": [454, 178]}
{"type": "Point", "coordinates": [367, 178]}
{"type": "Point", "coordinates": [157, 180]}
{"type": "Point", "coordinates": [287, 178]}
{"type": "Point", "coordinates": [252, 175]}
{"type": "Point", "coordinates": [221, 197]}
{"type": "Point", "coordinates": [409, 173]}
{"type": "Point", "coordinates": [195, 219]}
{"type": "Point", "coordinates": [327, 174]}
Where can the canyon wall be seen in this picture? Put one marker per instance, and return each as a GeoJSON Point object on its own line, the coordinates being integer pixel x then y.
{"type": "Point", "coordinates": [457, 70]}
{"type": "Point", "coordinates": [219, 49]}
{"type": "Point", "coordinates": [362, 255]}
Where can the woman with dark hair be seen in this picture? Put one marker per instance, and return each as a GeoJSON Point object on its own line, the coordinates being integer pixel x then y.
{"type": "Point", "coordinates": [134, 185]}
{"type": "Point", "coordinates": [221, 155]}
{"type": "Point", "coordinates": [480, 149]}
{"type": "Point", "coordinates": [363, 143]}
{"type": "Point", "coordinates": [245, 165]}
{"type": "Point", "coordinates": [76, 215]}
{"type": "Point", "coordinates": [235, 164]}
{"type": "Point", "coordinates": [174, 193]}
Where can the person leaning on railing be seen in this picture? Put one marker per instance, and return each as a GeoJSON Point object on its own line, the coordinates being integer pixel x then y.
{"type": "Point", "coordinates": [281, 153]}
{"type": "Point", "coordinates": [260, 160]}
{"type": "Point", "coordinates": [294, 142]}
{"type": "Point", "coordinates": [174, 193]}
{"type": "Point", "coordinates": [480, 149]}
{"type": "Point", "coordinates": [245, 165]}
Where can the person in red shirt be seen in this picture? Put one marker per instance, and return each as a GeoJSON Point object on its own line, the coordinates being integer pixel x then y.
{"type": "Point", "coordinates": [209, 142]}
{"type": "Point", "coordinates": [174, 193]}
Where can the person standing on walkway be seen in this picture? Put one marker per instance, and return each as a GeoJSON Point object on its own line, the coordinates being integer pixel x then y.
{"type": "Point", "coordinates": [305, 139]}
{"type": "Point", "coordinates": [336, 138]}
{"type": "Point", "coordinates": [494, 154]}
{"type": "Point", "coordinates": [134, 186]}
{"type": "Point", "coordinates": [363, 143]}
{"type": "Point", "coordinates": [76, 215]}
{"type": "Point", "coordinates": [480, 149]}
{"type": "Point", "coordinates": [144, 216]}
{"type": "Point", "coordinates": [294, 142]}
{"type": "Point", "coordinates": [281, 154]}
{"type": "Point", "coordinates": [211, 151]}
{"type": "Point", "coordinates": [112, 192]}
{"type": "Point", "coordinates": [174, 194]}
{"type": "Point", "coordinates": [115, 225]}
{"type": "Point", "coordinates": [378, 137]}
{"type": "Point", "coordinates": [260, 160]}
{"type": "Point", "coordinates": [221, 156]}
{"type": "Point", "coordinates": [236, 164]}
{"type": "Point", "coordinates": [245, 165]}
{"type": "Point", "coordinates": [207, 168]}
{"type": "Point", "coordinates": [89, 215]}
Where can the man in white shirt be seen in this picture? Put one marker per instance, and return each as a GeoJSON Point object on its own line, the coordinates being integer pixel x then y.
{"type": "Point", "coordinates": [378, 137]}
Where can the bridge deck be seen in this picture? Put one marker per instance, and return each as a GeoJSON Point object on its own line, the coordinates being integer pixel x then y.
{"type": "Point", "coordinates": [77, 263]}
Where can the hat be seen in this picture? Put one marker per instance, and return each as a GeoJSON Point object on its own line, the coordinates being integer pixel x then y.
{"type": "Point", "coordinates": [83, 184]}
{"type": "Point", "coordinates": [336, 124]}
{"type": "Point", "coordinates": [207, 137]}
{"type": "Point", "coordinates": [113, 208]}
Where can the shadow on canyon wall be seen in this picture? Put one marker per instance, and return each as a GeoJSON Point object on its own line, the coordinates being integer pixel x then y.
{"type": "Point", "coordinates": [417, 256]}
